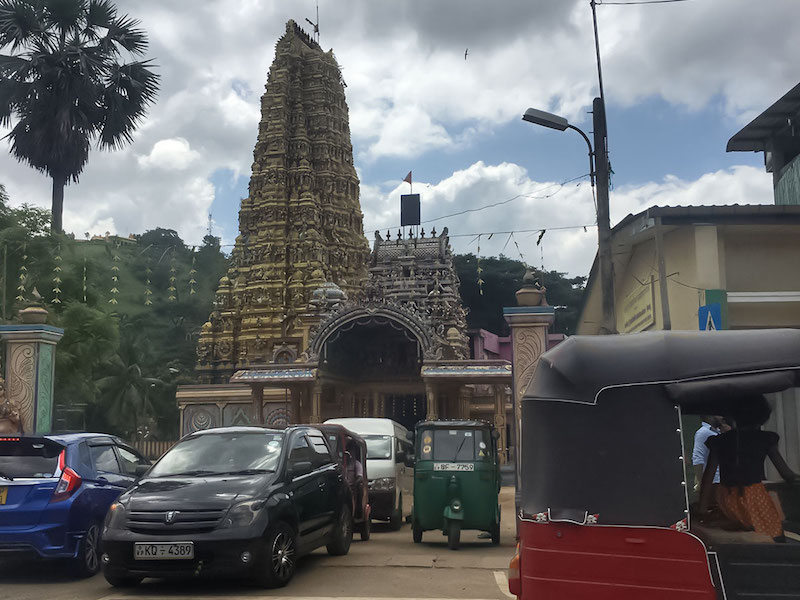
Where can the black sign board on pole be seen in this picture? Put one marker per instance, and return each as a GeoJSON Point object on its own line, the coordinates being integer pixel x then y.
{"type": "Point", "coordinates": [409, 209]}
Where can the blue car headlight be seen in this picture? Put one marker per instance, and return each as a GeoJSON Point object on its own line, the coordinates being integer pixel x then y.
{"type": "Point", "coordinates": [243, 514]}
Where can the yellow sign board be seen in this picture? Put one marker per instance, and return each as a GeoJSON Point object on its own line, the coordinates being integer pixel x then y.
{"type": "Point", "coordinates": [638, 312]}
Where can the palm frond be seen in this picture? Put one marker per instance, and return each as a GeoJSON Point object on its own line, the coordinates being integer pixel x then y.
{"type": "Point", "coordinates": [131, 88]}
{"type": "Point", "coordinates": [15, 67]}
{"type": "Point", "coordinates": [100, 13]}
{"type": "Point", "coordinates": [125, 31]}
{"type": "Point", "coordinates": [66, 16]}
{"type": "Point", "coordinates": [20, 21]}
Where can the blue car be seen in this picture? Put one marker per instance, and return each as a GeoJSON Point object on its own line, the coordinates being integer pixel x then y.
{"type": "Point", "coordinates": [55, 491]}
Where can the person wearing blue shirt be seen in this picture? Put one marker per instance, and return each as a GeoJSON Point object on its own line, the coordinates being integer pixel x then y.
{"type": "Point", "coordinates": [712, 425]}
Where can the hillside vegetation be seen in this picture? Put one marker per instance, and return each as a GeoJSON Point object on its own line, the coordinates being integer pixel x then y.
{"type": "Point", "coordinates": [132, 310]}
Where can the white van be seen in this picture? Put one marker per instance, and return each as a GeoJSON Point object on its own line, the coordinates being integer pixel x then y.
{"type": "Point", "coordinates": [391, 476]}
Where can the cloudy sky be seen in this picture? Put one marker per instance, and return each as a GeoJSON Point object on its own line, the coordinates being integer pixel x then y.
{"type": "Point", "coordinates": [680, 79]}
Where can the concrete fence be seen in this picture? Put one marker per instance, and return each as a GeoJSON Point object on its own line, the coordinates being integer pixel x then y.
{"type": "Point", "coordinates": [153, 449]}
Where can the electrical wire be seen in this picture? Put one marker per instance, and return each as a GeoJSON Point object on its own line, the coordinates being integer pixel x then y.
{"type": "Point", "coordinates": [529, 195]}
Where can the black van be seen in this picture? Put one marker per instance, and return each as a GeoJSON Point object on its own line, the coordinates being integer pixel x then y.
{"type": "Point", "coordinates": [230, 500]}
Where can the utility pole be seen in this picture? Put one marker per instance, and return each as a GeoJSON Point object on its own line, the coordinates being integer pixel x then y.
{"type": "Point", "coordinates": [604, 257]}
{"type": "Point", "coordinates": [605, 263]}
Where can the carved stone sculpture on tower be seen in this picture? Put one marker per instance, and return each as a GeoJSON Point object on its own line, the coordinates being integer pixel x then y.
{"type": "Point", "coordinates": [302, 214]}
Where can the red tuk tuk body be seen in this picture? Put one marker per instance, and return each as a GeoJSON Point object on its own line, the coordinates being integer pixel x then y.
{"type": "Point", "coordinates": [603, 509]}
{"type": "Point", "coordinates": [351, 451]}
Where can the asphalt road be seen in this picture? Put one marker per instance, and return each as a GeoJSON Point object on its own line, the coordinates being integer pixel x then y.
{"type": "Point", "coordinates": [389, 565]}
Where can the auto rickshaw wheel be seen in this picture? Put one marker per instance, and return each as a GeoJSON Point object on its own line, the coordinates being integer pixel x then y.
{"type": "Point", "coordinates": [365, 529]}
{"type": "Point", "coordinates": [495, 532]}
{"type": "Point", "coordinates": [453, 534]}
{"type": "Point", "coordinates": [416, 531]}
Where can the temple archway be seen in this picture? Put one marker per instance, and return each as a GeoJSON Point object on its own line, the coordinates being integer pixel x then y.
{"type": "Point", "coordinates": [369, 363]}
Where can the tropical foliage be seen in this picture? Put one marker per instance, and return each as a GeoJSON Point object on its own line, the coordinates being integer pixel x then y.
{"type": "Point", "coordinates": [64, 85]}
{"type": "Point", "coordinates": [502, 277]}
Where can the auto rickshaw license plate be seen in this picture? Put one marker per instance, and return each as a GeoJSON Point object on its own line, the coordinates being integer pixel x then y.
{"type": "Point", "coordinates": [453, 466]}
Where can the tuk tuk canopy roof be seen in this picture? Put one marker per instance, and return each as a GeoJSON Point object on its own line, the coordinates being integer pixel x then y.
{"type": "Point", "coordinates": [693, 365]}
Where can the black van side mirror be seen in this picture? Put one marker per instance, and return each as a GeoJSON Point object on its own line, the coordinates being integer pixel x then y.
{"type": "Point", "coordinates": [141, 470]}
{"type": "Point", "coordinates": [299, 468]}
{"type": "Point", "coordinates": [410, 436]}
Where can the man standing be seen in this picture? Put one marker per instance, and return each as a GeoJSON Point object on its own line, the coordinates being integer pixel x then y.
{"type": "Point", "coordinates": [712, 425]}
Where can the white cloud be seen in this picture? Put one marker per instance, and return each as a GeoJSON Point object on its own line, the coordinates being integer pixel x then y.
{"type": "Point", "coordinates": [174, 154]}
{"type": "Point", "coordinates": [561, 210]}
{"type": "Point", "coordinates": [411, 91]}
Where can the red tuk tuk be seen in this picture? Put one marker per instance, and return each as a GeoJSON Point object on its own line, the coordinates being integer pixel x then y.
{"type": "Point", "coordinates": [351, 451]}
{"type": "Point", "coordinates": [603, 504]}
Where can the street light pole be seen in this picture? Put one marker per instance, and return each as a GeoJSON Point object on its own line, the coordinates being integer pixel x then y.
{"type": "Point", "coordinates": [598, 170]}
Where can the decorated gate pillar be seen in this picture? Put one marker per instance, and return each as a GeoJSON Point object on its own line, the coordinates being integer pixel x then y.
{"type": "Point", "coordinates": [431, 397]}
{"type": "Point", "coordinates": [530, 322]}
{"type": "Point", "coordinates": [316, 404]}
{"type": "Point", "coordinates": [30, 369]}
{"type": "Point", "coordinates": [500, 421]}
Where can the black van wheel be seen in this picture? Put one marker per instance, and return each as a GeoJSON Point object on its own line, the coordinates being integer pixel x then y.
{"type": "Point", "coordinates": [87, 562]}
{"type": "Point", "coordinates": [122, 581]}
{"type": "Point", "coordinates": [342, 533]}
{"type": "Point", "coordinates": [366, 528]}
{"type": "Point", "coordinates": [396, 520]}
{"type": "Point", "coordinates": [453, 534]}
{"type": "Point", "coordinates": [278, 558]}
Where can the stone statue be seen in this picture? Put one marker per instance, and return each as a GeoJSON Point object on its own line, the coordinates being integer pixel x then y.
{"type": "Point", "coordinates": [10, 420]}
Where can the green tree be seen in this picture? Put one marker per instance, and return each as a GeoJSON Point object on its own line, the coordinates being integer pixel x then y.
{"type": "Point", "coordinates": [91, 338]}
{"type": "Point", "coordinates": [34, 220]}
{"type": "Point", "coordinates": [127, 392]}
{"type": "Point", "coordinates": [66, 85]}
{"type": "Point", "coordinates": [502, 277]}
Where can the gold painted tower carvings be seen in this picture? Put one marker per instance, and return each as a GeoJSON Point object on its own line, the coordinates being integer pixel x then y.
{"type": "Point", "coordinates": [301, 224]}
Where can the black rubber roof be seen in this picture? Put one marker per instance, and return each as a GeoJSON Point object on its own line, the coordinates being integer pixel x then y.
{"type": "Point", "coordinates": [746, 361]}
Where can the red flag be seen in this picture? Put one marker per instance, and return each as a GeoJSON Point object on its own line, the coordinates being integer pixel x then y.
{"type": "Point", "coordinates": [408, 178]}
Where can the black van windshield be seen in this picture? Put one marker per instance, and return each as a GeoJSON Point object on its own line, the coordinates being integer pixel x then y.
{"type": "Point", "coordinates": [222, 453]}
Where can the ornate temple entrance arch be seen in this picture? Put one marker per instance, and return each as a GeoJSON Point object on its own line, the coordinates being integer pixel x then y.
{"type": "Point", "coordinates": [397, 317]}
{"type": "Point", "coordinates": [369, 360]}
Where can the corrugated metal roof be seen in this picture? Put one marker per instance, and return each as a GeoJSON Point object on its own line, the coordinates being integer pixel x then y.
{"type": "Point", "coordinates": [746, 213]}
{"type": "Point", "coordinates": [768, 124]}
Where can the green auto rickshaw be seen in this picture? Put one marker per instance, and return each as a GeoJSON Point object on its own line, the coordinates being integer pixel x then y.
{"type": "Point", "coordinates": [456, 479]}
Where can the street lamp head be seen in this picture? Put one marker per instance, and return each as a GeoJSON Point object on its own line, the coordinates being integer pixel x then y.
{"type": "Point", "coordinates": [545, 119]}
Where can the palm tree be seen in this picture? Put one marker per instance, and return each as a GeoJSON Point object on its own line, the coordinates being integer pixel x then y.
{"type": "Point", "coordinates": [125, 391]}
{"type": "Point", "coordinates": [66, 86]}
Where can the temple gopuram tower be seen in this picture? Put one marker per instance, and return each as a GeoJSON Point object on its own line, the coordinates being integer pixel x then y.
{"type": "Point", "coordinates": [301, 224]}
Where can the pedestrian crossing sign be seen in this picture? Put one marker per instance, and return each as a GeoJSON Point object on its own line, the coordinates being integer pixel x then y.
{"type": "Point", "coordinates": [710, 317]}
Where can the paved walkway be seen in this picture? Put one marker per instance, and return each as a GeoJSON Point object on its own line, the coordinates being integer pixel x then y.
{"type": "Point", "coordinates": [388, 567]}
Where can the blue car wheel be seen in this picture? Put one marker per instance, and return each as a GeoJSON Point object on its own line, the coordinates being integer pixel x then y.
{"type": "Point", "coordinates": [87, 561]}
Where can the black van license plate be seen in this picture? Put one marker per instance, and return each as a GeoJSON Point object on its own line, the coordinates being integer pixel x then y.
{"type": "Point", "coordinates": [163, 551]}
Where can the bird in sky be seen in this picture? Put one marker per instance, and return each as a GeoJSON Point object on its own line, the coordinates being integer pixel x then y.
{"type": "Point", "coordinates": [465, 53]}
